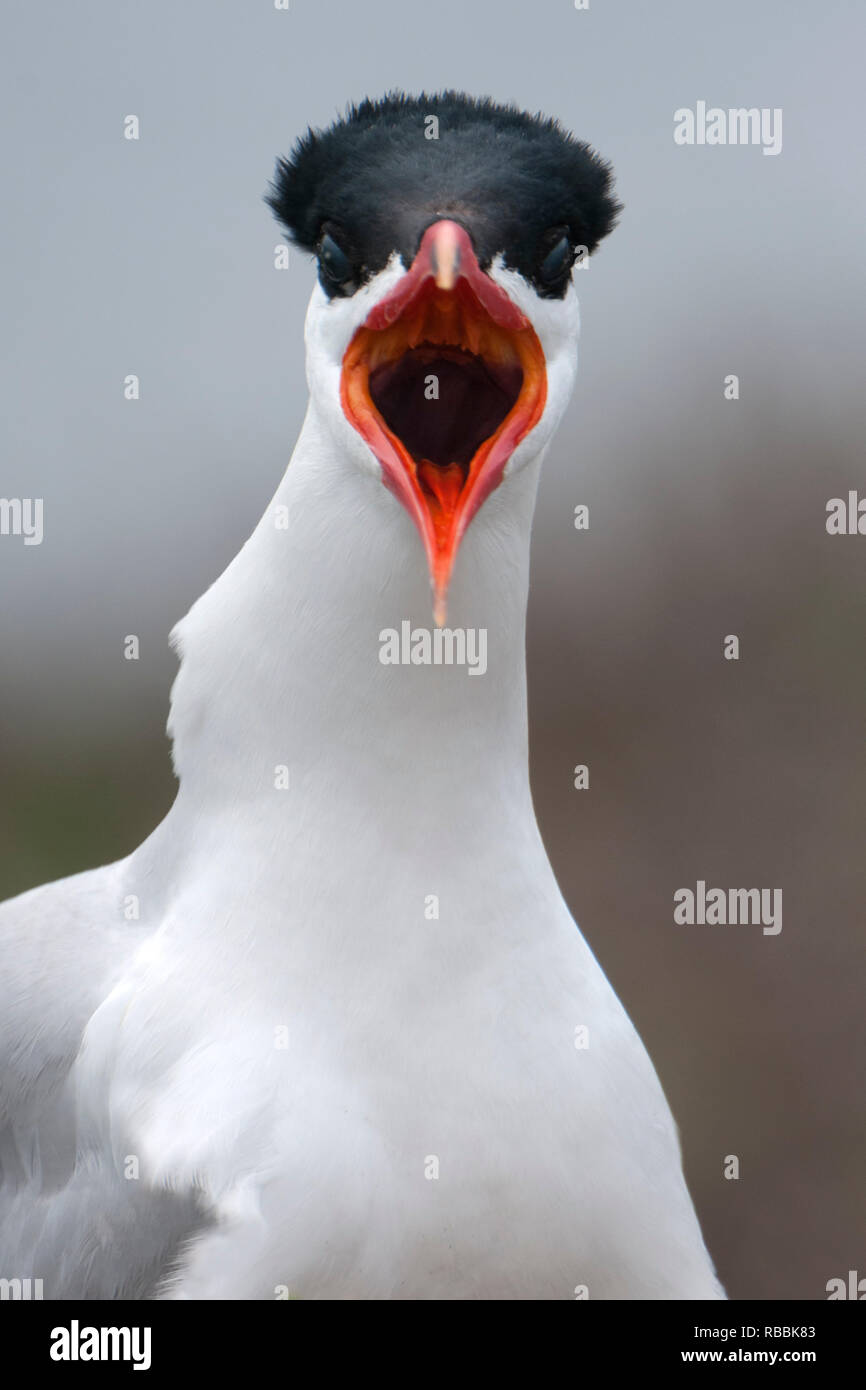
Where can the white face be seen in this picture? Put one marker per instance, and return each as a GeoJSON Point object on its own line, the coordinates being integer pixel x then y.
{"type": "Point", "coordinates": [557, 324]}
{"type": "Point", "coordinates": [329, 328]}
{"type": "Point", "coordinates": [442, 380]}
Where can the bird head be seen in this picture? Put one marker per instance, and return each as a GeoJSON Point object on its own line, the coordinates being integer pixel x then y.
{"type": "Point", "coordinates": [442, 334]}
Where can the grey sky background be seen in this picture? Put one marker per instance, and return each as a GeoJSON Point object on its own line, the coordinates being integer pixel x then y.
{"type": "Point", "coordinates": [155, 257]}
{"type": "Point", "coordinates": [707, 517]}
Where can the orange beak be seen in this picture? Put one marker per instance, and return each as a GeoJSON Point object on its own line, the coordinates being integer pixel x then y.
{"type": "Point", "coordinates": [443, 380]}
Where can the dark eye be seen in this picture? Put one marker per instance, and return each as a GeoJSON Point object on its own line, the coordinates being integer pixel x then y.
{"type": "Point", "coordinates": [557, 262]}
{"type": "Point", "coordinates": [334, 264]}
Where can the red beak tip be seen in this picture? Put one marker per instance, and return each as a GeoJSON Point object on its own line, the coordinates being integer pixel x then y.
{"type": "Point", "coordinates": [440, 609]}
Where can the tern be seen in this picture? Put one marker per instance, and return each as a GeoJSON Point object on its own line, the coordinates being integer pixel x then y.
{"type": "Point", "coordinates": [331, 1030]}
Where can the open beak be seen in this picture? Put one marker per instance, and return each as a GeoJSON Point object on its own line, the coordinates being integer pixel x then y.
{"type": "Point", "coordinates": [443, 380]}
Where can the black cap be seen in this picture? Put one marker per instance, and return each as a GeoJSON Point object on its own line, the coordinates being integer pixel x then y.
{"type": "Point", "coordinates": [374, 181]}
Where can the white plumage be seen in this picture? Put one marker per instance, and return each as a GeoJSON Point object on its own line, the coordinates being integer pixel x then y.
{"type": "Point", "coordinates": [285, 1074]}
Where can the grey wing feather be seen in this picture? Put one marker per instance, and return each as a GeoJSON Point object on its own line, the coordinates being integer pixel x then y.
{"type": "Point", "coordinates": [67, 1217]}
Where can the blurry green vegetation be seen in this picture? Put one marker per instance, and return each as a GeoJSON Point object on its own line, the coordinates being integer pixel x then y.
{"type": "Point", "coordinates": [77, 807]}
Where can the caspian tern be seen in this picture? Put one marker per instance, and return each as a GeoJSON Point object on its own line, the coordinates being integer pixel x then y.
{"type": "Point", "coordinates": [331, 1031]}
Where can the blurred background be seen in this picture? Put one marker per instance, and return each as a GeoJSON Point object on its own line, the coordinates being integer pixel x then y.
{"type": "Point", "coordinates": [706, 515]}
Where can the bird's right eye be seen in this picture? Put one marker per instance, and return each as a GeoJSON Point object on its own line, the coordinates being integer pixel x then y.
{"type": "Point", "coordinates": [334, 265]}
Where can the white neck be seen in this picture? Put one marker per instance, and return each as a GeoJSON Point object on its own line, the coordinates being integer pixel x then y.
{"type": "Point", "coordinates": [281, 661]}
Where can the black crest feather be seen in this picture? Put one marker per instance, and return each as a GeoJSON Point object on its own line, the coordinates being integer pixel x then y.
{"type": "Point", "coordinates": [375, 180]}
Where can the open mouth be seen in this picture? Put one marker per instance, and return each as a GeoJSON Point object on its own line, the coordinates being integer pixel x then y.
{"type": "Point", "coordinates": [443, 380]}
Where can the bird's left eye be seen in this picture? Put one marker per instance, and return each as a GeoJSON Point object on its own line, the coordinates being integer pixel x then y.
{"type": "Point", "coordinates": [556, 262]}
{"type": "Point", "coordinates": [334, 264]}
